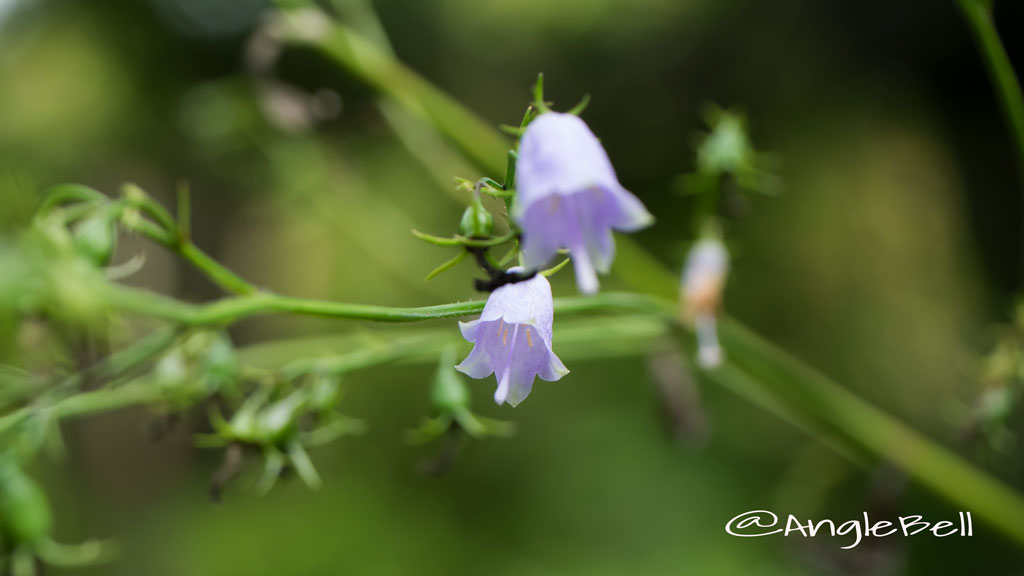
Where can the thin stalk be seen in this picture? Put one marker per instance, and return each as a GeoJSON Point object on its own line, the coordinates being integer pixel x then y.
{"type": "Point", "coordinates": [201, 261]}
{"type": "Point", "coordinates": [978, 14]}
{"type": "Point", "coordinates": [215, 271]}
{"type": "Point", "coordinates": [230, 310]}
{"type": "Point", "coordinates": [126, 360]}
{"type": "Point", "coordinates": [581, 340]}
{"type": "Point", "coordinates": [863, 425]}
{"type": "Point", "coordinates": [375, 66]}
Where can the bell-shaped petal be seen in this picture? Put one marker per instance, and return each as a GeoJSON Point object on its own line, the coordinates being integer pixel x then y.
{"type": "Point", "coordinates": [512, 340]}
{"type": "Point", "coordinates": [569, 197]}
{"type": "Point", "coordinates": [707, 266]}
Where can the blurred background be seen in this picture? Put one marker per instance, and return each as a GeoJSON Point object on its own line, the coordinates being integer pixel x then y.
{"type": "Point", "coordinates": [885, 263]}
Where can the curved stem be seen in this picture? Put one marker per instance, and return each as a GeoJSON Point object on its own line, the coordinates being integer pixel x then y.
{"type": "Point", "coordinates": [201, 261]}
{"type": "Point", "coordinates": [215, 271]}
{"type": "Point", "coordinates": [230, 310]}
{"type": "Point", "coordinates": [978, 14]}
{"type": "Point", "coordinates": [835, 410]}
{"type": "Point", "coordinates": [378, 68]}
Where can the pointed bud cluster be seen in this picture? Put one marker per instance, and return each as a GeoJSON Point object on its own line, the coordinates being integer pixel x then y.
{"type": "Point", "coordinates": [569, 197]}
{"type": "Point", "coordinates": [512, 339]}
{"type": "Point", "coordinates": [704, 275]}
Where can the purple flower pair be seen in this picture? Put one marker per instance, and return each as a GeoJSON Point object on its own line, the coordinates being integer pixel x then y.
{"type": "Point", "coordinates": [568, 197]}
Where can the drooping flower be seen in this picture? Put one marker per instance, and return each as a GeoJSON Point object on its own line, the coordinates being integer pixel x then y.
{"type": "Point", "coordinates": [703, 281]}
{"type": "Point", "coordinates": [512, 339]}
{"type": "Point", "coordinates": [569, 197]}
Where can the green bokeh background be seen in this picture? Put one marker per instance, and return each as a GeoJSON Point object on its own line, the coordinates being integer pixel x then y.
{"type": "Point", "coordinates": [884, 264]}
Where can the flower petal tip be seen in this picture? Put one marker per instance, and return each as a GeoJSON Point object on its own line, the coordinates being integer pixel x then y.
{"type": "Point", "coordinates": [709, 357]}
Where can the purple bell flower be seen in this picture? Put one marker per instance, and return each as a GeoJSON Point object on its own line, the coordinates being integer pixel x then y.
{"type": "Point", "coordinates": [512, 339]}
{"type": "Point", "coordinates": [704, 275]}
{"type": "Point", "coordinates": [569, 197]}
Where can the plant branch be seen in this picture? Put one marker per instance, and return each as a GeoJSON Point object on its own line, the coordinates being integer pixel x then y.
{"type": "Point", "coordinates": [874, 431]}
{"type": "Point", "coordinates": [230, 310]}
{"type": "Point", "coordinates": [587, 338]}
{"type": "Point", "coordinates": [978, 14]}
{"type": "Point", "coordinates": [181, 245]}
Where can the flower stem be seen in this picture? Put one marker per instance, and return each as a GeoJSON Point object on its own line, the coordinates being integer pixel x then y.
{"type": "Point", "coordinates": [230, 310]}
{"type": "Point", "coordinates": [201, 261]}
{"type": "Point", "coordinates": [586, 338]}
{"type": "Point", "coordinates": [838, 411]}
{"type": "Point", "coordinates": [375, 66]}
{"type": "Point", "coordinates": [978, 14]}
{"type": "Point", "coordinates": [215, 271]}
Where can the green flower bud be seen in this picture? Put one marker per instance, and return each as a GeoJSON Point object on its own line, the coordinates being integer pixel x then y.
{"type": "Point", "coordinates": [76, 293]}
{"type": "Point", "coordinates": [171, 372]}
{"type": "Point", "coordinates": [218, 364]}
{"type": "Point", "coordinates": [477, 222]}
{"type": "Point", "coordinates": [25, 515]}
{"type": "Point", "coordinates": [727, 148]}
{"type": "Point", "coordinates": [96, 237]}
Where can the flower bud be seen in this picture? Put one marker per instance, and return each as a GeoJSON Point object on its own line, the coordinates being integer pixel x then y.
{"type": "Point", "coordinates": [96, 237]}
{"type": "Point", "coordinates": [704, 276]}
{"type": "Point", "coordinates": [727, 149]}
{"type": "Point", "coordinates": [218, 364]}
{"type": "Point", "coordinates": [476, 222]}
{"type": "Point", "coordinates": [172, 370]}
{"type": "Point", "coordinates": [76, 294]}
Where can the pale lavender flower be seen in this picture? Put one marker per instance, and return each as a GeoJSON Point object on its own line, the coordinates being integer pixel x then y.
{"type": "Point", "coordinates": [569, 197]}
{"type": "Point", "coordinates": [512, 339]}
{"type": "Point", "coordinates": [703, 281]}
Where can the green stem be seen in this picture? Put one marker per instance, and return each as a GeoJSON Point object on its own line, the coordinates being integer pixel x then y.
{"type": "Point", "coordinates": [231, 310]}
{"type": "Point", "coordinates": [126, 360]}
{"type": "Point", "coordinates": [215, 271]}
{"type": "Point", "coordinates": [583, 339]}
{"type": "Point", "coordinates": [114, 367]}
{"type": "Point", "coordinates": [201, 261]}
{"type": "Point", "coordinates": [978, 14]}
{"type": "Point", "coordinates": [379, 69]}
{"type": "Point", "coordinates": [64, 193]}
{"type": "Point", "coordinates": [838, 411]}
